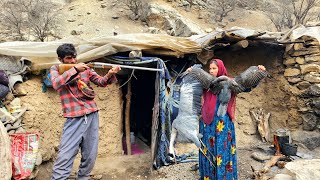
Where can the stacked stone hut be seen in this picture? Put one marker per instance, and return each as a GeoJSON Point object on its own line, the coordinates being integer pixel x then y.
{"type": "Point", "coordinates": [302, 61]}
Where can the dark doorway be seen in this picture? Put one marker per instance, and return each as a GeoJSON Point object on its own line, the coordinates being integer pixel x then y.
{"type": "Point", "coordinates": [141, 109]}
{"type": "Point", "coordinates": [142, 100]}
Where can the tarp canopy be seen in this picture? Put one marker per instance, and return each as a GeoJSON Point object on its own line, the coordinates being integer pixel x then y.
{"type": "Point", "coordinates": [43, 54]}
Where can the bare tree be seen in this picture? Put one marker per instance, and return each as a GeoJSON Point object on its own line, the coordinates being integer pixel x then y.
{"type": "Point", "coordinates": [12, 15]}
{"type": "Point", "coordinates": [135, 6]}
{"type": "Point", "coordinates": [37, 16]}
{"type": "Point", "coordinates": [287, 13]}
{"type": "Point", "coordinates": [249, 4]}
{"type": "Point", "coordinates": [41, 19]}
{"type": "Point", "coordinates": [279, 14]}
{"type": "Point", "coordinates": [303, 8]}
{"type": "Point", "coordinates": [221, 8]}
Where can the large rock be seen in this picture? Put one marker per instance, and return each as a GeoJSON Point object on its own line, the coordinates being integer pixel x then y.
{"type": "Point", "coordinates": [309, 121]}
{"type": "Point", "coordinates": [167, 18]}
{"type": "Point", "coordinates": [300, 60]}
{"type": "Point", "coordinates": [282, 177]}
{"type": "Point", "coordinates": [291, 72]}
{"type": "Point", "coordinates": [303, 85]}
{"type": "Point", "coordinates": [315, 103]}
{"type": "Point", "coordinates": [310, 68]}
{"type": "Point", "coordinates": [312, 58]}
{"type": "Point", "coordinates": [305, 169]}
{"type": "Point", "coordinates": [306, 51]}
{"type": "Point", "coordinates": [311, 139]}
{"type": "Point", "coordinates": [289, 61]}
{"type": "Point", "coordinates": [312, 77]}
{"type": "Point", "coordinates": [313, 90]}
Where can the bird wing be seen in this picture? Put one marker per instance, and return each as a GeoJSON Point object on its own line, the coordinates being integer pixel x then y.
{"type": "Point", "coordinates": [248, 79]}
{"type": "Point", "coordinates": [199, 74]}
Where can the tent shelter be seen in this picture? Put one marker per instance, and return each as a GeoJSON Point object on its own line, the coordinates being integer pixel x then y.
{"type": "Point", "coordinates": [155, 92]}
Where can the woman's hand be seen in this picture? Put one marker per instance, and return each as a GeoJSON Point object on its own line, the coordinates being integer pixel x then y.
{"type": "Point", "coordinates": [189, 69]}
{"type": "Point", "coordinates": [261, 67]}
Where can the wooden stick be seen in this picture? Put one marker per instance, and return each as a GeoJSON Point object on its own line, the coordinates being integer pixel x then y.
{"type": "Point", "coordinates": [127, 118]}
{"type": "Point", "coordinates": [270, 163]}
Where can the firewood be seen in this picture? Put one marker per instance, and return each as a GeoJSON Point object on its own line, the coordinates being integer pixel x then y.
{"type": "Point", "coordinates": [262, 120]}
{"type": "Point", "coordinates": [270, 163]}
{"type": "Point", "coordinates": [257, 175]}
{"type": "Point", "coordinates": [281, 164]}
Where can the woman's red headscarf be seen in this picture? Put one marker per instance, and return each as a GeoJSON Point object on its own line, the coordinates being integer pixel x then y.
{"type": "Point", "coordinates": [210, 99]}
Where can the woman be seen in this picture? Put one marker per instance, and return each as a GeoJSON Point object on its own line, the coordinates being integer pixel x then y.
{"type": "Point", "coordinates": [218, 134]}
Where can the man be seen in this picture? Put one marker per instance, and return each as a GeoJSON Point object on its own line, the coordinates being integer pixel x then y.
{"type": "Point", "coordinates": [79, 107]}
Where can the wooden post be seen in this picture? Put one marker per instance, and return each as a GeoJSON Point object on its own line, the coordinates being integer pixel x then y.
{"type": "Point", "coordinates": [127, 118]}
{"type": "Point", "coordinates": [155, 121]}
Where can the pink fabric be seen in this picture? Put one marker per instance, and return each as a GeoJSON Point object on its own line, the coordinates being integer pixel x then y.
{"type": "Point", "coordinates": [210, 99]}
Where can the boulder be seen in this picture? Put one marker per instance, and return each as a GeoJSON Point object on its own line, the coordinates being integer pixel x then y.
{"type": "Point", "coordinates": [167, 18]}
{"type": "Point", "coordinates": [305, 169]}
{"type": "Point", "coordinates": [291, 72]}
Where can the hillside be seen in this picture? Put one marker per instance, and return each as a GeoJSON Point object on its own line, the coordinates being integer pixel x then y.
{"type": "Point", "coordinates": [96, 18]}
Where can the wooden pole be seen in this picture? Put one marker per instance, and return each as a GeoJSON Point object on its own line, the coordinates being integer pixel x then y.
{"type": "Point", "coordinates": [155, 121]}
{"type": "Point", "coordinates": [127, 118]}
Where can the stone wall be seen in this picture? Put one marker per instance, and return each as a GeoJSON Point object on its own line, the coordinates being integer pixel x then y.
{"type": "Point", "coordinates": [302, 61]}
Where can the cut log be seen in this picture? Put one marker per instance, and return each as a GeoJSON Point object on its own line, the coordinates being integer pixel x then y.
{"type": "Point", "coordinates": [239, 45]}
{"type": "Point", "coordinates": [5, 154]}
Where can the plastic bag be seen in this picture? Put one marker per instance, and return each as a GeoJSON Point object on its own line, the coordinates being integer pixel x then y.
{"type": "Point", "coordinates": [24, 149]}
{"type": "Point", "coordinates": [4, 80]}
{"type": "Point", "coordinates": [46, 80]}
{"type": "Point", "coordinates": [4, 90]}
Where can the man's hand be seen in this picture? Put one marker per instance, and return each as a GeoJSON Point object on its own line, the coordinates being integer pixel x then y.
{"type": "Point", "coordinates": [261, 67]}
{"type": "Point", "coordinates": [81, 67]}
{"type": "Point", "coordinates": [114, 70]}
